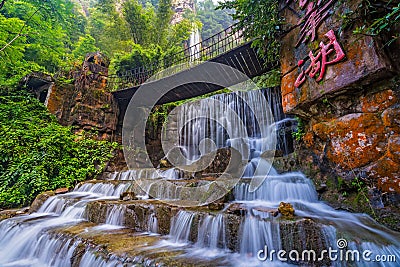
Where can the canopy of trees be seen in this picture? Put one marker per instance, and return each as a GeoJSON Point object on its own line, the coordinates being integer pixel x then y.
{"type": "Point", "coordinates": [213, 20]}
{"type": "Point", "coordinates": [50, 36]}
{"type": "Point", "coordinates": [53, 36]}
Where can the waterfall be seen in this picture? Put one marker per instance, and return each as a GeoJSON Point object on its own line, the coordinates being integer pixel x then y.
{"type": "Point", "coordinates": [238, 120]}
{"type": "Point", "coordinates": [194, 44]}
{"type": "Point", "coordinates": [211, 232]}
{"type": "Point", "coordinates": [287, 187]}
{"type": "Point", "coordinates": [102, 189]}
{"type": "Point", "coordinates": [91, 259]}
{"type": "Point", "coordinates": [258, 233]}
{"type": "Point", "coordinates": [116, 215]}
{"type": "Point", "coordinates": [136, 174]}
{"type": "Point", "coordinates": [180, 226]}
{"type": "Point", "coordinates": [26, 241]}
{"type": "Point", "coordinates": [152, 224]}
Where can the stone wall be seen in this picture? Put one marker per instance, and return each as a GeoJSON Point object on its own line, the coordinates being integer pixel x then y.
{"type": "Point", "coordinates": [346, 90]}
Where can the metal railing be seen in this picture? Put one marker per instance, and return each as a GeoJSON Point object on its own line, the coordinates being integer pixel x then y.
{"type": "Point", "coordinates": [207, 49]}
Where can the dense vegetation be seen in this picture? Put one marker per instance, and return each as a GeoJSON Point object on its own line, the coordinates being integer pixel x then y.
{"type": "Point", "coordinates": [38, 154]}
{"type": "Point", "coordinates": [52, 36]}
{"type": "Point", "coordinates": [212, 20]}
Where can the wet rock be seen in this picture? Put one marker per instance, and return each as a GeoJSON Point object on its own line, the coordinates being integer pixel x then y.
{"type": "Point", "coordinates": [237, 209]}
{"type": "Point", "coordinates": [216, 205]}
{"type": "Point", "coordinates": [164, 163]}
{"type": "Point", "coordinates": [273, 212]}
{"type": "Point", "coordinates": [39, 200]}
{"type": "Point", "coordinates": [96, 211]}
{"type": "Point", "coordinates": [77, 255]}
{"type": "Point", "coordinates": [233, 223]}
{"type": "Point", "coordinates": [128, 196]}
{"type": "Point", "coordinates": [322, 188]}
{"type": "Point", "coordinates": [139, 212]}
{"type": "Point", "coordinates": [227, 160]}
{"type": "Point", "coordinates": [286, 209]}
{"type": "Point", "coordinates": [6, 214]}
{"type": "Point", "coordinates": [301, 235]}
{"type": "Point", "coordinates": [61, 190]}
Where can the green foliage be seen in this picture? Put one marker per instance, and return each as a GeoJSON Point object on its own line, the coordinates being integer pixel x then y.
{"type": "Point", "coordinates": [85, 45]}
{"type": "Point", "coordinates": [139, 56]}
{"type": "Point", "coordinates": [162, 23]}
{"type": "Point", "coordinates": [299, 132]}
{"type": "Point", "coordinates": [109, 28]}
{"type": "Point", "coordinates": [385, 18]}
{"type": "Point", "coordinates": [152, 33]}
{"type": "Point", "coordinates": [140, 20]}
{"type": "Point", "coordinates": [259, 19]}
{"type": "Point", "coordinates": [12, 61]}
{"type": "Point", "coordinates": [269, 79]}
{"type": "Point", "coordinates": [37, 35]}
{"type": "Point", "coordinates": [37, 154]}
{"type": "Point", "coordinates": [213, 20]}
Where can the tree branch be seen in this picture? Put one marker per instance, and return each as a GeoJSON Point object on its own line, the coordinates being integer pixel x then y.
{"type": "Point", "coordinates": [19, 34]}
{"type": "Point", "coordinates": [2, 4]}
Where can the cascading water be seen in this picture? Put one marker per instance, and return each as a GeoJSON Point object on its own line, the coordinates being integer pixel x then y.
{"type": "Point", "coordinates": [181, 225]}
{"type": "Point", "coordinates": [32, 240]}
{"type": "Point", "coordinates": [194, 44]}
{"type": "Point", "coordinates": [116, 215]}
{"type": "Point", "coordinates": [218, 119]}
{"type": "Point", "coordinates": [152, 224]}
{"type": "Point", "coordinates": [260, 229]}
{"type": "Point", "coordinates": [211, 232]}
{"type": "Point", "coordinates": [27, 241]}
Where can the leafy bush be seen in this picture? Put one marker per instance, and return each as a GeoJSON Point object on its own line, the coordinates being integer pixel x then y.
{"type": "Point", "coordinates": [38, 154]}
{"type": "Point", "coordinates": [259, 19]}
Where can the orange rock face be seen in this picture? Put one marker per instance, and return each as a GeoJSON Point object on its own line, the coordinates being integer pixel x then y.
{"type": "Point", "coordinates": [352, 114]}
{"type": "Point", "coordinates": [366, 141]}
{"type": "Point", "coordinates": [378, 102]}
{"type": "Point", "coordinates": [391, 118]}
{"type": "Point", "coordinates": [364, 63]}
{"type": "Point", "coordinates": [394, 148]}
{"type": "Point", "coordinates": [387, 174]}
{"type": "Point", "coordinates": [354, 140]}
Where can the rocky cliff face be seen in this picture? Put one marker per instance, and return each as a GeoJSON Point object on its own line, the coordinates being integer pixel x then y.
{"type": "Point", "coordinates": [346, 89]}
{"type": "Point", "coordinates": [86, 103]}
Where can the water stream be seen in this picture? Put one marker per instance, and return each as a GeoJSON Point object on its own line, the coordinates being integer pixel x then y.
{"type": "Point", "coordinates": [31, 240]}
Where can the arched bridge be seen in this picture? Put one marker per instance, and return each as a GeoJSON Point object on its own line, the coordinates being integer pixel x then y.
{"type": "Point", "coordinates": [228, 47]}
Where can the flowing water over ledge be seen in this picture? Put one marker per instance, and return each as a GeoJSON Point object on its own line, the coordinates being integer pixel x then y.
{"type": "Point", "coordinates": [91, 226]}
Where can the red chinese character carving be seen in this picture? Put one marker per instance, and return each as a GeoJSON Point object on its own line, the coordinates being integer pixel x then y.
{"type": "Point", "coordinates": [303, 3]}
{"type": "Point", "coordinates": [320, 61]}
{"type": "Point", "coordinates": [315, 14]}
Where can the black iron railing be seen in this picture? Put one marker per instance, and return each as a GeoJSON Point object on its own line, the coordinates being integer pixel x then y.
{"type": "Point", "coordinates": [207, 49]}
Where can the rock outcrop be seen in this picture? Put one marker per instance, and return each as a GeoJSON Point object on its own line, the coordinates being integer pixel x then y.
{"type": "Point", "coordinates": [86, 104]}
{"type": "Point", "coordinates": [348, 102]}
